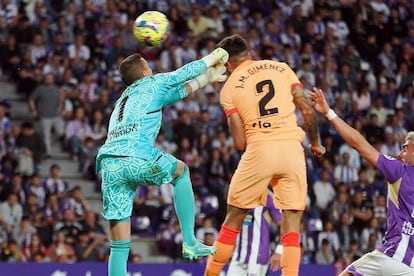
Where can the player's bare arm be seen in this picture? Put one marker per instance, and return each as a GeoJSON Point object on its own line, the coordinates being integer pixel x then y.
{"type": "Point", "coordinates": [237, 130]}
{"type": "Point", "coordinates": [351, 136]}
{"type": "Point", "coordinates": [310, 122]}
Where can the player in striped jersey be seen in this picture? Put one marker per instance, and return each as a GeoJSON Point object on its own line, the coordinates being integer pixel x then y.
{"type": "Point", "coordinates": [396, 255]}
{"type": "Point", "coordinates": [251, 253]}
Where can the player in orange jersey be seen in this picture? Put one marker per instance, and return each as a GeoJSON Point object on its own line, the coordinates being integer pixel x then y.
{"type": "Point", "coordinates": [259, 99]}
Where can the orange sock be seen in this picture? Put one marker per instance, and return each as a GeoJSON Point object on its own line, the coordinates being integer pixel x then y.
{"type": "Point", "coordinates": [225, 245]}
{"type": "Point", "coordinates": [291, 254]}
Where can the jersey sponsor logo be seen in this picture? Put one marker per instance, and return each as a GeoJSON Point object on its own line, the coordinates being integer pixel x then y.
{"type": "Point", "coordinates": [260, 124]}
{"type": "Point", "coordinates": [123, 130]}
{"type": "Point", "coordinates": [407, 228]}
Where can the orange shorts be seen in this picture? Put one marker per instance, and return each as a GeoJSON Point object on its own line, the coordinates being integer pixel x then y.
{"type": "Point", "coordinates": [280, 164]}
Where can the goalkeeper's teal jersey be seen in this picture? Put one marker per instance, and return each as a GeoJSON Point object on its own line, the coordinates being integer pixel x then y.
{"type": "Point", "coordinates": [136, 118]}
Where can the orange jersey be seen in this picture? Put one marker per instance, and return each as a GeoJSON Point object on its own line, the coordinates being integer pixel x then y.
{"type": "Point", "coordinates": [260, 91]}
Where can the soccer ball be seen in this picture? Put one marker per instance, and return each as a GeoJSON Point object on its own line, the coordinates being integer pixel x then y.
{"type": "Point", "coordinates": [150, 28]}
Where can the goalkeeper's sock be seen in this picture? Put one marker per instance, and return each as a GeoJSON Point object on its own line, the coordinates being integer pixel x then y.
{"type": "Point", "coordinates": [118, 258]}
{"type": "Point", "coordinates": [185, 205]}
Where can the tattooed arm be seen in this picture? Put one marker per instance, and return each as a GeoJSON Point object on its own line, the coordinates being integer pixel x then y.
{"type": "Point", "coordinates": [309, 118]}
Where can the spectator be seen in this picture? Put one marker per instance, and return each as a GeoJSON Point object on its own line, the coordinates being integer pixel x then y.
{"type": "Point", "coordinates": [78, 54]}
{"type": "Point", "coordinates": [4, 236]}
{"type": "Point", "coordinates": [46, 104]}
{"type": "Point", "coordinates": [346, 232]}
{"type": "Point", "coordinates": [390, 146]}
{"type": "Point", "coordinates": [69, 226]}
{"type": "Point", "coordinates": [207, 227]}
{"type": "Point", "coordinates": [15, 185]}
{"type": "Point", "coordinates": [197, 23]}
{"type": "Point", "coordinates": [12, 253]}
{"type": "Point", "coordinates": [54, 184]}
{"type": "Point", "coordinates": [38, 49]}
{"type": "Point", "coordinates": [87, 249]}
{"type": "Point", "coordinates": [353, 252]}
{"type": "Point", "coordinates": [345, 172]}
{"type": "Point", "coordinates": [374, 132]}
{"type": "Point", "coordinates": [55, 66]}
{"type": "Point", "coordinates": [33, 248]}
{"type": "Point", "coordinates": [367, 189]}
{"type": "Point", "coordinates": [365, 240]}
{"type": "Point", "coordinates": [12, 212]}
{"type": "Point", "coordinates": [341, 203]}
{"type": "Point", "coordinates": [307, 241]}
{"type": "Point", "coordinates": [87, 157]}
{"type": "Point", "coordinates": [98, 127]}
{"type": "Point", "coordinates": [324, 255]}
{"type": "Point", "coordinates": [30, 150]}
{"type": "Point", "coordinates": [23, 233]}
{"type": "Point", "coordinates": [324, 192]}
{"type": "Point", "coordinates": [93, 227]}
{"type": "Point", "coordinates": [30, 208]}
{"type": "Point", "coordinates": [103, 104]}
{"type": "Point", "coordinates": [36, 188]}
{"type": "Point", "coordinates": [330, 235]}
{"type": "Point", "coordinates": [76, 131]}
{"type": "Point", "coordinates": [129, 41]}
{"type": "Point", "coordinates": [11, 57]}
{"type": "Point", "coordinates": [88, 89]}
{"type": "Point", "coordinates": [380, 211]}
{"type": "Point", "coordinates": [61, 251]}
{"type": "Point", "coordinates": [361, 211]}
{"type": "Point", "coordinates": [53, 210]}
{"type": "Point", "coordinates": [78, 204]}
{"type": "Point", "coordinates": [25, 75]}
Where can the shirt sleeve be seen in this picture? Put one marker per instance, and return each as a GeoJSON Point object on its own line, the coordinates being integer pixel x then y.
{"type": "Point", "coordinates": [185, 73]}
{"type": "Point", "coordinates": [291, 76]}
{"type": "Point", "coordinates": [273, 211]}
{"type": "Point", "coordinates": [175, 94]}
{"type": "Point", "coordinates": [226, 101]}
{"type": "Point", "coordinates": [391, 168]}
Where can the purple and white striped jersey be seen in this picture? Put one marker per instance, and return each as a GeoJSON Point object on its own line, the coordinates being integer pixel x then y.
{"type": "Point", "coordinates": [253, 244]}
{"type": "Point", "coordinates": [399, 238]}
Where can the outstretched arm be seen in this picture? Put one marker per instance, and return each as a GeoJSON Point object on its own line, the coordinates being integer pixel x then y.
{"type": "Point", "coordinates": [212, 74]}
{"type": "Point", "coordinates": [351, 136]}
{"type": "Point", "coordinates": [195, 68]}
{"type": "Point", "coordinates": [309, 119]}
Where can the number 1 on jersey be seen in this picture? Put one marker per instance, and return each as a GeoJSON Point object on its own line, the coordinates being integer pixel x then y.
{"type": "Point", "coordinates": [268, 89]}
{"type": "Point", "coordinates": [121, 109]}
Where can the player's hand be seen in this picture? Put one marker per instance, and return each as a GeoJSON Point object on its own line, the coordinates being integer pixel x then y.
{"type": "Point", "coordinates": [318, 100]}
{"type": "Point", "coordinates": [216, 73]}
{"type": "Point", "coordinates": [218, 56]}
{"type": "Point", "coordinates": [275, 261]}
{"type": "Point", "coordinates": [317, 150]}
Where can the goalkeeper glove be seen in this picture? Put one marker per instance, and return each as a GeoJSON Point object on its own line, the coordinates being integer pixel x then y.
{"type": "Point", "coordinates": [212, 74]}
{"type": "Point", "coordinates": [218, 56]}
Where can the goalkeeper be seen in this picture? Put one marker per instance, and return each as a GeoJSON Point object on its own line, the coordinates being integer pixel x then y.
{"type": "Point", "coordinates": [128, 158]}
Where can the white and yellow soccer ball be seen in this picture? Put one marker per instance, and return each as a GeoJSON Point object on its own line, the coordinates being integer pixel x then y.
{"type": "Point", "coordinates": [150, 28]}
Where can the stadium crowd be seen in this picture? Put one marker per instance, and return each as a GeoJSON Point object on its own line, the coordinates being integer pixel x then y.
{"type": "Point", "coordinates": [63, 57]}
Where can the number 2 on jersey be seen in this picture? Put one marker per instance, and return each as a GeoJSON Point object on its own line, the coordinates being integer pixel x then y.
{"type": "Point", "coordinates": [268, 89]}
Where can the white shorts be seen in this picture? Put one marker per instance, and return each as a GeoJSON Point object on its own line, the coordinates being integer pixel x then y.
{"type": "Point", "coordinates": [241, 269]}
{"type": "Point", "coordinates": [376, 263]}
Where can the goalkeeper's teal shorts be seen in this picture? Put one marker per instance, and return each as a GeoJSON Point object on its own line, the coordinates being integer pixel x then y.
{"type": "Point", "coordinates": [121, 175]}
